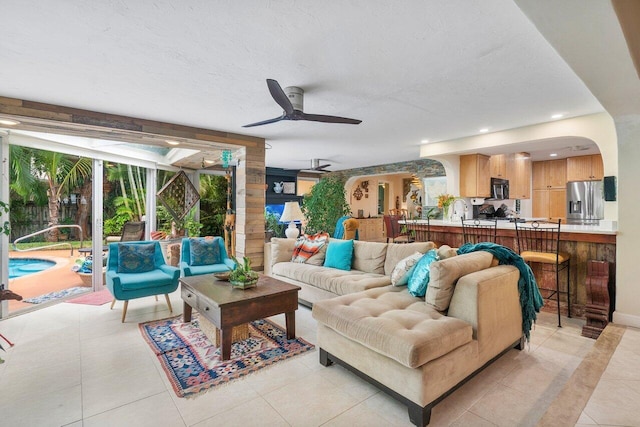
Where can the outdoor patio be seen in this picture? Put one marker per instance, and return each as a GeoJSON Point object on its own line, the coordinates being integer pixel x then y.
{"type": "Point", "coordinates": [56, 278]}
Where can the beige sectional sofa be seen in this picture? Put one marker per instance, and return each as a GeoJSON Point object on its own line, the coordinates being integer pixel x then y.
{"type": "Point", "coordinates": [416, 349]}
{"type": "Point", "coordinates": [371, 267]}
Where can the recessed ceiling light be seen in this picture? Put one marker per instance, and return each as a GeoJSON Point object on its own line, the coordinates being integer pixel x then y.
{"type": "Point", "coordinates": [172, 142]}
{"type": "Point", "coordinates": [424, 141]}
{"type": "Point", "coordinates": [553, 155]}
{"type": "Point", "coordinates": [210, 161]}
{"type": "Point", "coordinates": [484, 130]}
{"type": "Point", "coordinates": [9, 122]}
{"type": "Point", "coordinates": [557, 116]}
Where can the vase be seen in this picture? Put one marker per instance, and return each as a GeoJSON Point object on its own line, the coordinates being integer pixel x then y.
{"type": "Point", "coordinates": [446, 214]}
{"type": "Point", "coordinates": [244, 284]}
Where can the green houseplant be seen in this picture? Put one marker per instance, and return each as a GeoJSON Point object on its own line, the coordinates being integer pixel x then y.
{"type": "Point", "coordinates": [243, 277]}
{"type": "Point", "coordinates": [273, 226]}
{"type": "Point", "coordinates": [324, 205]}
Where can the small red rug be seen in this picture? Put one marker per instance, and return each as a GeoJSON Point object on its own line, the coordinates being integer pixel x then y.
{"type": "Point", "coordinates": [94, 298]}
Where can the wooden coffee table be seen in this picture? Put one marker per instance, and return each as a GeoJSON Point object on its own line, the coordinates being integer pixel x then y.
{"type": "Point", "coordinates": [226, 307]}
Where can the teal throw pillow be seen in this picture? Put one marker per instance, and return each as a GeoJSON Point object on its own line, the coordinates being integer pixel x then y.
{"type": "Point", "coordinates": [339, 254]}
{"type": "Point", "coordinates": [204, 251]}
{"type": "Point", "coordinates": [419, 280]}
{"type": "Point", "coordinates": [136, 258]}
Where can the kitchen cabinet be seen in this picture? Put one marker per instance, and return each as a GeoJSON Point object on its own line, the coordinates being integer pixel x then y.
{"type": "Point", "coordinates": [475, 177]}
{"type": "Point", "coordinates": [549, 189]}
{"type": "Point", "coordinates": [585, 168]}
{"type": "Point", "coordinates": [371, 229]}
{"type": "Point", "coordinates": [498, 166]}
{"type": "Point", "coordinates": [519, 175]}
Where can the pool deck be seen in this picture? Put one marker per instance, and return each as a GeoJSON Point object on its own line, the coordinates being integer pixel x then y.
{"type": "Point", "coordinates": [53, 279]}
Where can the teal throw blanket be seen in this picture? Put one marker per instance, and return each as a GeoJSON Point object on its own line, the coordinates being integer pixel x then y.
{"type": "Point", "coordinates": [530, 298]}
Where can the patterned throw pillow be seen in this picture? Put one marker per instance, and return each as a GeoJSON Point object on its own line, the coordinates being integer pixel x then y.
{"type": "Point", "coordinates": [403, 270]}
{"type": "Point", "coordinates": [136, 258]}
{"type": "Point", "coordinates": [419, 280]}
{"type": "Point", "coordinates": [204, 251]}
{"type": "Point", "coordinates": [307, 246]}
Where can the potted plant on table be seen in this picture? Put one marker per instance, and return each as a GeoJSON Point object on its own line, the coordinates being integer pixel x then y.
{"type": "Point", "coordinates": [243, 277]}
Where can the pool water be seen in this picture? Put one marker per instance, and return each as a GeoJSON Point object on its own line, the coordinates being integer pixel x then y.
{"type": "Point", "coordinates": [19, 267]}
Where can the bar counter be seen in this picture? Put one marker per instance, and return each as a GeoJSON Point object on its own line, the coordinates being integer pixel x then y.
{"type": "Point", "coordinates": [582, 242]}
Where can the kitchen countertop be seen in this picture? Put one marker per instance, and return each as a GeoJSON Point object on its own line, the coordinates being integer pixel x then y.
{"type": "Point", "coordinates": [607, 228]}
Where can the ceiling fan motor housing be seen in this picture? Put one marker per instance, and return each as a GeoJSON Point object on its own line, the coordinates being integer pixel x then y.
{"type": "Point", "coordinates": [296, 96]}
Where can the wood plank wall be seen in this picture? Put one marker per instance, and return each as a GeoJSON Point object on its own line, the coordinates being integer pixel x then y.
{"type": "Point", "coordinates": [41, 117]}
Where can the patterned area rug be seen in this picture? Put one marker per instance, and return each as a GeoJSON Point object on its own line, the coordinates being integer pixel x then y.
{"type": "Point", "coordinates": [56, 295]}
{"type": "Point", "coordinates": [193, 364]}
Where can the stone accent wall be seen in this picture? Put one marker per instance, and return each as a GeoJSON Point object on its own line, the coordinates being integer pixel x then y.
{"type": "Point", "coordinates": [423, 168]}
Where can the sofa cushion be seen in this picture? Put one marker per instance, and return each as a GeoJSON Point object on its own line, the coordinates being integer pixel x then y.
{"type": "Point", "coordinates": [419, 279]}
{"type": "Point", "coordinates": [445, 274]}
{"type": "Point", "coordinates": [369, 256]}
{"type": "Point", "coordinates": [398, 251]}
{"type": "Point", "coordinates": [306, 246]}
{"type": "Point", "coordinates": [281, 249]}
{"type": "Point", "coordinates": [339, 282]}
{"type": "Point", "coordinates": [401, 273]}
{"type": "Point", "coordinates": [136, 258]}
{"type": "Point", "coordinates": [392, 322]}
{"type": "Point", "coordinates": [339, 254]}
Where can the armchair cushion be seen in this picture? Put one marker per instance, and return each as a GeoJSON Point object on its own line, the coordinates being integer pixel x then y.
{"type": "Point", "coordinates": [204, 252]}
{"type": "Point", "coordinates": [135, 258]}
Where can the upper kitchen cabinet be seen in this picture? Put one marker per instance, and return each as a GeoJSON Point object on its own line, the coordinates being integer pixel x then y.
{"type": "Point", "coordinates": [475, 176]}
{"type": "Point", "coordinates": [549, 189]}
{"type": "Point", "coordinates": [550, 174]}
{"type": "Point", "coordinates": [585, 168]}
{"type": "Point", "coordinates": [498, 166]}
{"type": "Point", "coordinates": [519, 175]}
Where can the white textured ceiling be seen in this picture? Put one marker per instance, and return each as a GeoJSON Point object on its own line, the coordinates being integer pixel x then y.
{"type": "Point", "coordinates": [410, 70]}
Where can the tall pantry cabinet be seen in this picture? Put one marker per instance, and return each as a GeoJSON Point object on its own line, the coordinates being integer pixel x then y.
{"type": "Point", "coordinates": [549, 189]}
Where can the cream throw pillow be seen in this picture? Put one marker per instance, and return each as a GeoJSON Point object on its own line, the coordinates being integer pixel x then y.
{"type": "Point", "coordinates": [446, 251]}
{"type": "Point", "coordinates": [444, 275]}
{"type": "Point", "coordinates": [402, 271]}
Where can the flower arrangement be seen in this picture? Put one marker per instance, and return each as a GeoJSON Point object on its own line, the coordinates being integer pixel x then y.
{"type": "Point", "coordinates": [445, 200]}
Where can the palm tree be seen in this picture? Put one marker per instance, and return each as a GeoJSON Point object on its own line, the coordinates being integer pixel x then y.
{"type": "Point", "coordinates": [59, 172]}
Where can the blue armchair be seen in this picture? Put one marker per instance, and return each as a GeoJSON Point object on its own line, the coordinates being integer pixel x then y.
{"type": "Point", "coordinates": [138, 269]}
{"type": "Point", "coordinates": [188, 268]}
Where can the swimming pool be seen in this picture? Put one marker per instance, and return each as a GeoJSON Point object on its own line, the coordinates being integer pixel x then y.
{"type": "Point", "coordinates": [19, 267]}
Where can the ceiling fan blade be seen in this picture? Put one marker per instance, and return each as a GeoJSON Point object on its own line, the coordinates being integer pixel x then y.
{"type": "Point", "coordinates": [320, 167]}
{"type": "Point", "coordinates": [266, 122]}
{"type": "Point", "coordinates": [328, 119]}
{"type": "Point", "coordinates": [279, 96]}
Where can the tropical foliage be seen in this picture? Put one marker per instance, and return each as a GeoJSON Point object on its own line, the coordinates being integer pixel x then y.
{"type": "Point", "coordinates": [37, 172]}
{"type": "Point", "coordinates": [324, 205]}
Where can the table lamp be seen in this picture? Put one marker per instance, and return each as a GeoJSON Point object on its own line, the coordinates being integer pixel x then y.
{"type": "Point", "coordinates": [293, 213]}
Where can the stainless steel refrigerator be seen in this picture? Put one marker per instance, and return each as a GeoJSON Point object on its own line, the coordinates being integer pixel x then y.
{"type": "Point", "coordinates": [585, 202]}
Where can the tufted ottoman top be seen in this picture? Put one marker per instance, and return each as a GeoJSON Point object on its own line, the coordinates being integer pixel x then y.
{"type": "Point", "coordinates": [392, 322]}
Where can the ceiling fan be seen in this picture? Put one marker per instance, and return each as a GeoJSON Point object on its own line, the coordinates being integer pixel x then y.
{"type": "Point", "coordinates": [291, 100]}
{"type": "Point", "coordinates": [315, 167]}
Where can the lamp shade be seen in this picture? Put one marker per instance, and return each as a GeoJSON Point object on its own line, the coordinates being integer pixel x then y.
{"type": "Point", "coordinates": [292, 212]}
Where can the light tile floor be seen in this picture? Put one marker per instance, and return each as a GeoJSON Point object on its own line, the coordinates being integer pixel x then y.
{"type": "Point", "coordinates": [77, 365]}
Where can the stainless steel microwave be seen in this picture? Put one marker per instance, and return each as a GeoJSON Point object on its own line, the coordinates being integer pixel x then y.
{"type": "Point", "coordinates": [499, 189]}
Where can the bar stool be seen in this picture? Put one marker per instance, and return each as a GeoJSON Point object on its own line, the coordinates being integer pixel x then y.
{"type": "Point", "coordinates": [394, 231]}
{"type": "Point", "coordinates": [539, 241]}
{"type": "Point", "coordinates": [418, 232]}
{"type": "Point", "coordinates": [478, 230]}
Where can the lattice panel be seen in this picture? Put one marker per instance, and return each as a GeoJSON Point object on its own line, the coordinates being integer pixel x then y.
{"type": "Point", "coordinates": [178, 196]}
